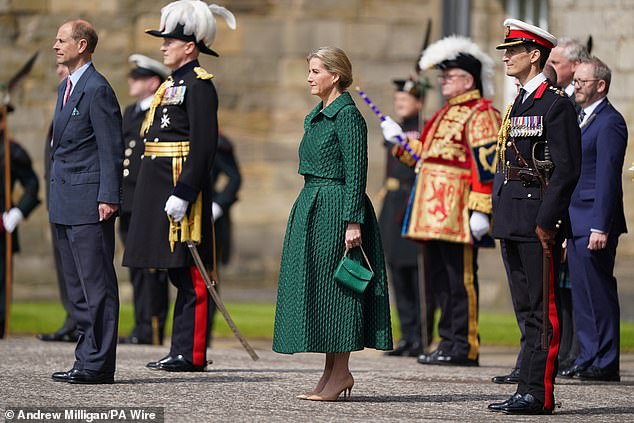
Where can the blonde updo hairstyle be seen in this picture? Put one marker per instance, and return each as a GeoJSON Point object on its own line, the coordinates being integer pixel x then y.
{"type": "Point", "coordinates": [335, 61]}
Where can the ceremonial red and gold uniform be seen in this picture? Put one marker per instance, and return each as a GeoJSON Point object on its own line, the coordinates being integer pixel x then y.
{"type": "Point", "coordinates": [455, 176]}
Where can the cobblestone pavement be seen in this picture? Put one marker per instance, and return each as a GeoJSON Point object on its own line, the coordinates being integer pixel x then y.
{"type": "Point", "coordinates": [236, 389]}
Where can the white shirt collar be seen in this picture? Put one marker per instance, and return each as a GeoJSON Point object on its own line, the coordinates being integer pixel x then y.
{"type": "Point", "coordinates": [588, 110]}
{"type": "Point", "coordinates": [145, 103]}
{"type": "Point", "coordinates": [570, 89]}
{"type": "Point", "coordinates": [74, 77]}
{"type": "Point", "coordinates": [532, 85]}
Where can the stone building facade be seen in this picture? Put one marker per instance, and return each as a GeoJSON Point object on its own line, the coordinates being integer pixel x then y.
{"type": "Point", "coordinates": [261, 80]}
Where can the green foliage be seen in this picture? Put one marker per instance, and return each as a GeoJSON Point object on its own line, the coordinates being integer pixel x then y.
{"type": "Point", "coordinates": [256, 321]}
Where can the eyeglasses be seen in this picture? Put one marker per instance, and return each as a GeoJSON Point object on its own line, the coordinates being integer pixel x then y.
{"type": "Point", "coordinates": [450, 77]}
{"type": "Point", "coordinates": [582, 82]}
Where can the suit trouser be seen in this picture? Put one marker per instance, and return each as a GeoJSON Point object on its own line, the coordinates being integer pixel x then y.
{"type": "Point", "coordinates": [69, 324]}
{"type": "Point", "coordinates": [520, 322]}
{"type": "Point", "coordinates": [87, 253]}
{"type": "Point", "coordinates": [150, 295]}
{"type": "Point", "coordinates": [451, 269]}
{"type": "Point", "coordinates": [191, 315]}
{"type": "Point", "coordinates": [538, 367]}
{"type": "Point", "coordinates": [596, 302]}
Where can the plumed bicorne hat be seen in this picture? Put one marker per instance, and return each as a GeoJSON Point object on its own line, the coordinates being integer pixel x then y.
{"type": "Point", "coordinates": [462, 53]}
{"type": "Point", "coordinates": [192, 20]}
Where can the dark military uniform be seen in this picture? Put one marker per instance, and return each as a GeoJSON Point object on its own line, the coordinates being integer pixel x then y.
{"type": "Point", "coordinates": [519, 205]}
{"type": "Point", "coordinates": [149, 286]}
{"type": "Point", "coordinates": [22, 171]}
{"type": "Point", "coordinates": [225, 164]}
{"type": "Point", "coordinates": [401, 254]}
{"type": "Point", "coordinates": [180, 146]}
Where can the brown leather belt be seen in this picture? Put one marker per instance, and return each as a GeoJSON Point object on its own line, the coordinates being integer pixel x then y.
{"type": "Point", "coordinates": [516, 173]}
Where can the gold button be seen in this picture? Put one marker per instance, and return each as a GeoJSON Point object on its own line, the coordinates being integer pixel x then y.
{"type": "Point", "coordinates": [132, 143]}
{"type": "Point", "coordinates": [126, 162]}
{"type": "Point", "coordinates": [142, 156]}
{"type": "Point", "coordinates": [508, 162]}
{"type": "Point", "coordinates": [530, 195]}
{"type": "Point", "coordinates": [153, 157]}
{"type": "Point", "coordinates": [126, 172]}
{"type": "Point", "coordinates": [508, 144]}
{"type": "Point", "coordinates": [156, 139]}
{"type": "Point", "coordinates": [128, 152]}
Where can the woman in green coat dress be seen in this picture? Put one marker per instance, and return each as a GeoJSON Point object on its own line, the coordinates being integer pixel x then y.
{"type": "Point", "coordinates": [331, 214]}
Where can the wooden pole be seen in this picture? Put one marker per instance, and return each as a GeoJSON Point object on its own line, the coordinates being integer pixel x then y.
{"type": "Point", "coordinates": [8, 265]}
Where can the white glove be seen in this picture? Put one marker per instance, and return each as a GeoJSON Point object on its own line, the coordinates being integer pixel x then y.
{"type": "Point", "coordinates": [176, 207]}
{"type": "Point", "coordinates": [479, 224]}
{"type": "Point", "coordinates": [216, 211]}
{"type": "Point", "coordinates": [11, 219]}
{"type": "Point", "coordinates": [392, 130]}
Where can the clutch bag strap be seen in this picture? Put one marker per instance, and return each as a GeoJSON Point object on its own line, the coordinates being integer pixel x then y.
{"type": "Point", "coordinates": [364, 256]}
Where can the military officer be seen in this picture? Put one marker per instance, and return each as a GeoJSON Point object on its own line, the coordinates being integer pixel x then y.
{"type": "Point", "coordinates": [402, 255]}
{"type": "Point", "coordinates": [149, 286]}
{"type": "Point", "coordinates": [21, 171]}
{"type": "Point", "coordinates": [451, 200]}
{"type": "Point", "coordinates": [538, 166]}
{"type": "Point", "coordinates": [180, 133]}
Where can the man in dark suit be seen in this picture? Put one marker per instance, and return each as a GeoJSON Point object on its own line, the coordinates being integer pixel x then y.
{"type": "Point", "coordinates": [69, 332]}
{"type": "Point", "coordinates": [173, 197]}
{"type": "Point", "coordinates": [85, 192]}
{"type": "Point", "coordinates": [565, 58]}
{"type": "Point", "coordinates": [597, 218]}
{"type": "Point", "coordinates": [149, 286]}
{"type": "Point", "coordinates": [539, 150]}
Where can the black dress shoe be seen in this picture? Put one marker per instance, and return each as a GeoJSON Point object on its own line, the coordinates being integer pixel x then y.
{"type": "Point", "coordinates": [526, 404]}
{"type": "Point", "coordinates": [155, 365]}
{"type": "Point", "coordinates": [442, 358]}
{"type": "Point", "coordinates": [90, 377]}
{"type": "Point", "coordinates": [498, 406]}
{"type": "Point", "coordinates": [511, 378]}
{"type": "Point", "coordinates": [406, 349]}
{"type": "Point", "coordinates": [571, 371]}
{"type": "Point", "coordinates": [63, 376]}
{"type": "Point", "coordinates": [133, 340]}
{"type": "Point", "coordinates": [598, 374]}
{"type": "Point", "coordinates": [61, 335]}
{"type": "Point", "coordinates": [180, 364]}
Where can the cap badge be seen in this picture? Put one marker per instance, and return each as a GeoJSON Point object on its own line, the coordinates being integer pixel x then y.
{"type": "Point", "coordinates": [507, 31]}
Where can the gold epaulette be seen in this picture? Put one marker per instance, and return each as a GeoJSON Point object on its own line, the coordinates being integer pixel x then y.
{"type": "Point", "coordinates": [557, 91]}
{"type": "Point", "coordinates": [202, 73]}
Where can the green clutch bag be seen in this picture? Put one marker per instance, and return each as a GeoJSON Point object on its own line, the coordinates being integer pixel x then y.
{"type": "Point", "coordinates": [352, 274]}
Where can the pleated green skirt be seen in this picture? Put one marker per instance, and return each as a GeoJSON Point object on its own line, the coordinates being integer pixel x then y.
{"type": "Point", "coordinates": [314, 312]}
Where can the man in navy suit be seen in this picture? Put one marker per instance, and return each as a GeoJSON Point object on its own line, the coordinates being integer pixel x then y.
{"type": "Point", "coordinates": [85, 192]}
{"type": "Point", "coordinates": [597, 218]}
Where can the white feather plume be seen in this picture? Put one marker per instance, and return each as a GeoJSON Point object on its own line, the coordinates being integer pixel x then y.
{"type": "Point", "coordinates": [197, 18]}
{"type": "Point", "coordinates": [449, 48]}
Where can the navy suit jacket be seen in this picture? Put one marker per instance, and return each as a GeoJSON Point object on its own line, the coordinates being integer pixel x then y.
{"type": "Point", "coordinates": [87, 151]}
{"type": "Point", "coordinates": [597, 201]}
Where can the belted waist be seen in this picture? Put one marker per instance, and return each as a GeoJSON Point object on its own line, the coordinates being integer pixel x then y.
{"type": "Point", "coordinates": [167, 148]}
{"type": "Point", "coordinates": [316, 181]}
{"type": "Point", "coordinates": [516, 173]}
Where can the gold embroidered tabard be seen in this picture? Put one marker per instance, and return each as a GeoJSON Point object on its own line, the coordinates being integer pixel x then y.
{"type": "Point", "coordinates": [439, 209]}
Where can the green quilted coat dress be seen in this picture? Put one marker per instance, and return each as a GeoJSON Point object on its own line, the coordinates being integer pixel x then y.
{"type": "Point", "coordinates": [314, 312]}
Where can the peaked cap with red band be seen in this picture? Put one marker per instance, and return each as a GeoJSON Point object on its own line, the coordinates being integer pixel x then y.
{"type": "Point", "coordinates": [519, 32]}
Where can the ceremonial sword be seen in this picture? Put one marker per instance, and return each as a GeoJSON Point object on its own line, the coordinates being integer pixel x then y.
{"type": "Point", "coordinates": [211, 287]}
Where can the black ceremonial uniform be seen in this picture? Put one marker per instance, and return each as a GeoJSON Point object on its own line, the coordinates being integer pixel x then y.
{"type": "Point", "coordinates": [225, 164]}
{"type": "Point", "coordinates": [149, 286]}
{"type": "Point", "coordinates": [401, 254]}
{"type": "Point", "coordinates": [22, 171]}
{"type": "Point", "coordinates": [179, 150]}
{"type": "Point", "coordinates": [519, 206]}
